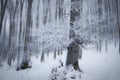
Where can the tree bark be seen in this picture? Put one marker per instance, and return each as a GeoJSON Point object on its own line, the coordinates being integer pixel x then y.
{"type": "Point", "coordinates": [26, 56]}
{"type": "Point", "coordinates": [3, 8]}
{"type": "Point", "coordinates": [74, 49]}
{"type": "Point", "coordinates": [118, 21]}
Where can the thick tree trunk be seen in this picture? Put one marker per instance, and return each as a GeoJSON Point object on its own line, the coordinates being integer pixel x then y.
{"type": "Point", "coordinates": [73, 48]}
{"type": "Point", "coordinates": [74, 53]}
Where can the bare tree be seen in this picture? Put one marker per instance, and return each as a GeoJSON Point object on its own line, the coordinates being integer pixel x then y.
{"type": "Point", "coordinates": [26, 58]}
{"type": "Point", "coordinates": [117, 13]}
{"type": "Point", "coordinates": [11, 43]}
{"type": "Point", "coordinates": [2, 12]}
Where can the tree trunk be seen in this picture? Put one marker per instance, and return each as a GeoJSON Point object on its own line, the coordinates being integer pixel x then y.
{"type": "Point", "coordinates": [2, 13]}
{"type": "Point", "coordinates": [26, 57]}
{"type": "Point", "coordinates": [73, 55]}
{"type": "Point", "coordinates": [73, 48]}
{"type": "Point", "coordinates": [21, 3]}
{"type": "Point", "coordinates": [11, 43]}
{"type": "Point", "coordinates": [118, 21]}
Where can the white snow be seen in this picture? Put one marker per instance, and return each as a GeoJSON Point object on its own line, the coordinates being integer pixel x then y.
{"type": "Point", "coordinates": [101, 66]}
{"type": "Point", "coordinates": [95, 65]}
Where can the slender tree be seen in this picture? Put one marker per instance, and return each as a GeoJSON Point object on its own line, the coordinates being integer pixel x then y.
{"type": "Point", "coordinates": [26, 57]}
{"type": "Point", "coordinates": [20, 34]}
{"type": "Point", "coordinates": [11, 43]}
{"type": "Point", "coordinates": [2, 12]}
{"type": "Point", "coordinates": [28, 28]}
{"type": "Point", "coordinates": [117, 13]}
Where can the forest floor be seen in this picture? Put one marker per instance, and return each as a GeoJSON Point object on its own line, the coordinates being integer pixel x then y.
{"type": "Point", "coordinates": [94, 64]}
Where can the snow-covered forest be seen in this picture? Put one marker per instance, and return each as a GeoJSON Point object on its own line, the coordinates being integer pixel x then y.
{"type": "Point", "coordinates": [59, 39]}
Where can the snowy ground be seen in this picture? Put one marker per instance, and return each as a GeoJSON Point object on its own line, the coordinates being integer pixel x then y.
{"type": "Point", "coordinates": [95, 66]}
{"type": "Point", "coordinates": [101, 66]}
